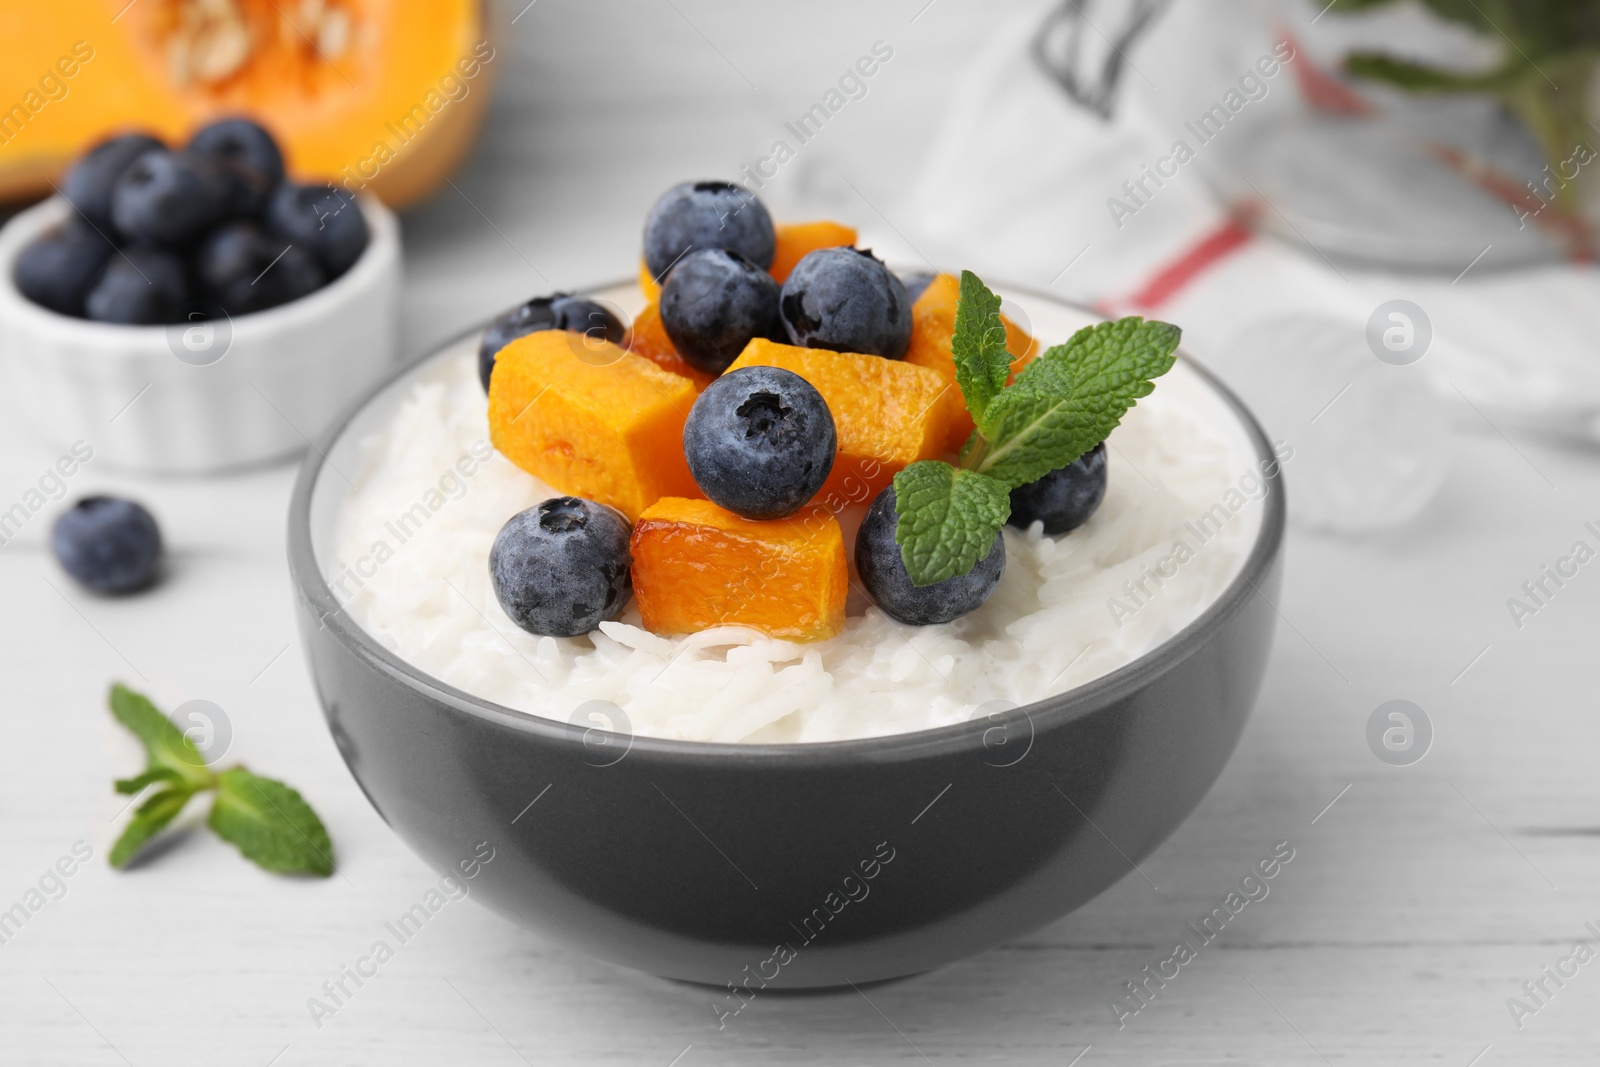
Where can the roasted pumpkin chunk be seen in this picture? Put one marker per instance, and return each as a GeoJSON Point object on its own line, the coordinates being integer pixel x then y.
{"type": "Point", "coordinates": [933, 324]}
{"type": "Point", "coordinates": [591, 419]}
{"type": "Point", "coordinates": [696, 566]}
{"type": "Point", "coordinates": [648, 338]}
{"type": "Point", "coordinates": [887, 413]}
{"type": "Point", "coordinates": [795, 239]}
{"type": "Point", "coordinates": [647, 282]}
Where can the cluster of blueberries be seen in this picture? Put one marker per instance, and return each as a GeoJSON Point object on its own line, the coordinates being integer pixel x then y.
{"type": "Point", "coordinates": [162, 235]}
{"type": "Point", "coordinates": [760, 441]}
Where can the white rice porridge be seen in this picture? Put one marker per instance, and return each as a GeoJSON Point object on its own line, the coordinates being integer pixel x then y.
{"type": "Point", "coordinates": [411, 548]}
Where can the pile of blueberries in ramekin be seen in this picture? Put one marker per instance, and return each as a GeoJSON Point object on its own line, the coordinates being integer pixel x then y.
{"type": "Point", "coordinates": [160, 235]}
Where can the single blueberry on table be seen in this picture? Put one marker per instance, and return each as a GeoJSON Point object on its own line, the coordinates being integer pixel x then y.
{"type": "Point", "coordinates": [167, 198]}
{"type": "Point", "coordinates": [1065, 498]}
{"type": "Point", "coordinates": [87, 185]}
{"type": "Point", "coordinates": [321, 219]}
{"type": "Point", "coordinates": [559, 311]}
{"type": "Point", "coordinates": [760, 442]}
{"type": "Point", "coordinates": [884, 574]}
{"type": "Point", "coordinates": [57, 269]}
{"type": "Point", "coordinates": [241, 142]}
{"type": "Point", "coordinates": [696, 215]}
{"type": "Point", "coordinates": [245, 269]}
{"type": "Point", "coordinates": [562, 568]}
{"type": "Point", "coordinates": [140, 287]}
{"type": "Point", "coordinates": [916, 283]}
{"type": "Point", "coordinates": [846, 300]}
{"type": "Point", "coordinates": [714, 302]}
{"type": "Point", "coordinates": [108, 544]}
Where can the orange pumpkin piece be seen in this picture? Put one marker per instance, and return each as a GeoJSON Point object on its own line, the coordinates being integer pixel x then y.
{"type": "Point", "coordinates": [648, 338]}
{"type": "Point", "coordinates": [696, 566]}
{"type": "Point", "coordinates": [933, 324]}
{"type": "Point", "coordinates": [647, 282]}
{"type": "Point", "coordinates": [887, 413]}
{"type": "Point", "coordinates": [591, 419]}
{"type": "Point", "coordinates": [796, 239]}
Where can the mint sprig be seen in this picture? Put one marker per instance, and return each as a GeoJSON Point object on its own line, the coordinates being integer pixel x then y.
{"type": "Point", "coordinates": [1065, 402]}
{"type": "Point", "coordinates": [269, 822]}
{"type": "Point", "coordinates": [979, 346]}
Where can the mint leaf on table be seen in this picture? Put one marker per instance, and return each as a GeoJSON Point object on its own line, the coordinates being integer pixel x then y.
{"type": "Point", "coordinates": [271, 824]}
{"type": "Point", "coordinates": [1060, 406]}
{"type": "Point", "coordinates": [164, 744]}
{"type": "Point", "coordinates": [1071, 397]}
{"type": "Point", "coordinates": [136, 784]}
{"type": "Point", "coordinates": [150, 819]}
{"type": "Point", "coordinates": [978, 346]}
{"type": "Point", "coordinates": [947, 519]}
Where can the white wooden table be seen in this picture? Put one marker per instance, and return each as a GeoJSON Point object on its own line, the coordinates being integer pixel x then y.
{"type": "Point", "coordinates": [1419, 898]}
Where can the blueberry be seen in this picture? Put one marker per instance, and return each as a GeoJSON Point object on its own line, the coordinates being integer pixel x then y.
{"type": "Point", "coordinates": [245, 269]}
{"type": "Point", "coordinates": [108, 544]}
{"type": "Point", "coordinates": [760, 441]}
{"type": "Point", "coordinates": [244, 191]}
{"type": "Point", "coordinates": [916, 283]}
{"type": "Point", "coordinates": [88, 183]}
{"type": "Point", "coordinates": [847, 300]}
{"type": "Point", "coordinates": [707, 215]}
{"type": "Point", "coordinates": [57, 269]}
{"type": "Point", "coordinates": [714, 302]}
{"type": "Point", "coordinates": [240, 142]}
{"type": "Point", "coordinates": [556, 312]}
{"type": "Point", "coordinates": [324, 221]}
{"type": "Point", "coordinates": [167, 198]}
{"type": "Point", "coordinates": [883, 572]}
{"type": "Point", "coordinates": [140, 287]}
{"type": "Point", "coordinates": [562, 568]}
{"type": "Point", "coordinates": [1065, 498]}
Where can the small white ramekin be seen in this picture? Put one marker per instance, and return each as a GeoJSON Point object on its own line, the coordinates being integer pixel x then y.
{"type": "Point", "coordinates": [199, 398]}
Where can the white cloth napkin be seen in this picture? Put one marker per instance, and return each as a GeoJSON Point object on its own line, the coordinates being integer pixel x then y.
{"type": "Point", "coordinates": [1020, 181]}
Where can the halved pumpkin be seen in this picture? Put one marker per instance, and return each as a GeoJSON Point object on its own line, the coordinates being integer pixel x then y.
{"type": "Point", "coordinates": [375, 95]}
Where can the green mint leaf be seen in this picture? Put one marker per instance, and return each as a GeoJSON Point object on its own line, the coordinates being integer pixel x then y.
{"type": "Point", "coordinates": [150, 819]}
{"type": "Point", "coordinates": [271, 824]}
{"type": "Point", "coordinates": [130, 786]}
{"type": "Point", "coordinates": [1070, 398]}
{"type": "Point", "coordinates": [164, 743]}
{"type": "Point", "coordinates": [946, 519]}
{"type": "Point", "coordinates": [1421, 78]}
{"type": "Point", "coordinates": [979, 346]}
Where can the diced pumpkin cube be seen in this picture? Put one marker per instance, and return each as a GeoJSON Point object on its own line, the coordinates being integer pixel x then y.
{"type": "Point", "coordinates": [648, 338]}
{"type": "Point", "coordinates": [696, 566]}
{"type": "Point", "coordinates": [933, 324]}
{"type": "Point", "coordinates": [796, 239]}
{"type": "Point", "coordinates": [887, 413]}
{"type": "Point", "coordinates": [591, 419]}
{"type": "Point", "coordinates": [647, 282]}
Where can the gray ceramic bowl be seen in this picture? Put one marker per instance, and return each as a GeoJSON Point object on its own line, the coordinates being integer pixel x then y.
{"type": "Point", "coordinates": [787, 866]}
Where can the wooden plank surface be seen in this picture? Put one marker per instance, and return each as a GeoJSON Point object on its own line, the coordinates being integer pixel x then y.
{"type": "Point", "coordinates": [1413, 908]}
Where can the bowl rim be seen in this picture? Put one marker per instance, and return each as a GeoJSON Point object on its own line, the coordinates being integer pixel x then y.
{"type": "Point", "coordinates": [131, 341]}
{"type": "Point", "coordinates": [1053, 711]}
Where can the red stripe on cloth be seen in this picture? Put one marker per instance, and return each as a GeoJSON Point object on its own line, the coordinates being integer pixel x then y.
{"type": "Point", "coordinates": [1173, 277]}
{"type": "Point", "coordinates": [1321, 89]}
